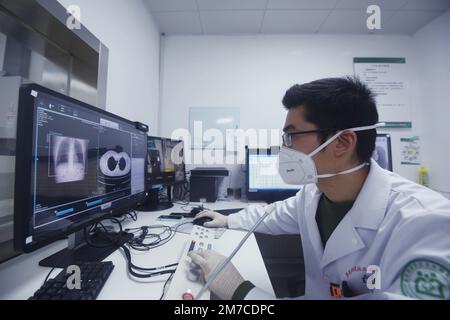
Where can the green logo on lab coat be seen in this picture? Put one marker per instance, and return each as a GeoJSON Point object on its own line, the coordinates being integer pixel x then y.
{"type": "Point", "coordinates": [425, 279]}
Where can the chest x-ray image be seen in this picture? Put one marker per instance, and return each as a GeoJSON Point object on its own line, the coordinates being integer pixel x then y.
{"type": "Point", "coordinates": [68, 158]}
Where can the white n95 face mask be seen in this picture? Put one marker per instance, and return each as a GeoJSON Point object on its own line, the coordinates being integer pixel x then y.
{"type": "Point", "coordinates": [298, 168]}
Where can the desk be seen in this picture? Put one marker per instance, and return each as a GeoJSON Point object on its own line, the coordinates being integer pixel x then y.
{"type": "Point", "coordinates": [22, 276]}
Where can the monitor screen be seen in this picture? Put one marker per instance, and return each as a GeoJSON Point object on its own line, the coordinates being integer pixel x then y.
{"type": "Point", "coordinates": [263, 179]}
{"type": "Point", "coordinates": [178, 160]}
{"type": "Point", "coordinates": [165, 161]}
{"type": "Point", "coordinates": [85, 162]}
{"type": "Point", "coordinates": [263, 173]}
{"type": "Point", "coordinates": [382, 153]}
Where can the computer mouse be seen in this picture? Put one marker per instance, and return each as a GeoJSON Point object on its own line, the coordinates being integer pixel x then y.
{"type": "Point", "coordinates": [196, 210]}
{"type": "Point", "coordinates": [201, 221]}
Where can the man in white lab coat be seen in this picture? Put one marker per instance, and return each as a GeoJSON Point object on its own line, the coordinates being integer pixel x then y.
{"type": "Point", "coordinates": [367, 233]}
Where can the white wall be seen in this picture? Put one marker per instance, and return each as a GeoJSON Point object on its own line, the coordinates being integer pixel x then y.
{"type": "Point", "coordinates": [433, 44]}
{"type": "Point", "coordinates": [127, 29]}
{"type": "Point", "coordinates": [253, 73]}
{"type": "Point", "coordinates": [2, 50]}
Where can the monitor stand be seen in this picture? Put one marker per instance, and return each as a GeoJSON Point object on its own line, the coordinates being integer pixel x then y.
{"type": "Point", "coordinates": [153, 202]}
{"type": "Point", "coordinates": [79, 251]}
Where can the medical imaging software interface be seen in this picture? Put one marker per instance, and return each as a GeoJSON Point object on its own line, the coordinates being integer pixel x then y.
{"type": "Point", "coordinates": [83, 163]}
{"type": "Point", "coordinates": [381, 154]}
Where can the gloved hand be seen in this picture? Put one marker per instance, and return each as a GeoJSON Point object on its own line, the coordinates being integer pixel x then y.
{"type": "Point", "coordinates": [226, 282]}
{"type": "Point", "coordinates": [219, 220]}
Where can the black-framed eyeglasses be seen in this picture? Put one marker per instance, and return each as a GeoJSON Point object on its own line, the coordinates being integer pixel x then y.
{"type": "Point", "coordinates": [287, 136]}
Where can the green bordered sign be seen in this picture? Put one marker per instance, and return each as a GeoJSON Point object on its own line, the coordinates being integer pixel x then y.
{"type": "Point", "coordinates": [378, 60]}
{"type": "Point", "coordinates": [425, 279]}
{"type": "Point", "coordinates": [399, 125]}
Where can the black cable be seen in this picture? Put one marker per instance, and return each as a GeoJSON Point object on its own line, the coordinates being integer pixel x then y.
{"type": "Point", "coordinates": [138, 241]}
{"type": "Point", "coordinates": [165, 284]}
{"type": "Point", "coordinates": [128, 255]}
{"type": "Point", "coordinates": [48, 274]}
{"type": "Point", "coordinates": [179, 225]}
{"type": "Point", "coordinates": [133, 217]}
{"type": "Point", "coordinates": [114, 239]}
{"type": "Point", "coordinates": [124, 217]}
{"type": "Point", "coordinates": [174, 232]}
{"type": "Point", "coordinates": [131, 266]}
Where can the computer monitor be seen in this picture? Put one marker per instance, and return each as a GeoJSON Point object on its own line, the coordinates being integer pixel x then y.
{"type": "Point", "coordinates": [382, 153]}
{"type": "Point", "coordinates": [75, 165]}
{"type": "Point", "coordinates": [179, 161]}
{"type": "Point", "coordinates": [165, 167]}
{"type": "Point", "coordinates": [165, 161]}
{"type": "Point", "coordinates": [262, 178]}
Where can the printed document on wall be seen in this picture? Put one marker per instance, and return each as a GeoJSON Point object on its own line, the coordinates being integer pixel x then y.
{"type": "Point", "coordinates": [388, 79]}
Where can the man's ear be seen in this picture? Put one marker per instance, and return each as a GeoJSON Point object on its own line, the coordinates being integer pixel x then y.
{"type": "Point", "coordinates": [345, 143]}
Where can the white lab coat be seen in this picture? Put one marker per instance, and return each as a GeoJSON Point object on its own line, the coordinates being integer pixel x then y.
{"type": "Point", "coordinates": [392, 223]}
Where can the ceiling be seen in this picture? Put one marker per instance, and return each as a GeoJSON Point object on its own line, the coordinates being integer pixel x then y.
{"type": "Point", "coordinates": [183, 17]}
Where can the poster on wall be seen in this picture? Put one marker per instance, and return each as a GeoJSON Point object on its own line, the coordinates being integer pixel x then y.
{"type": "Point", "coordinates": [410, 151]}
{"type": "Point", "coordinates": [387, 78]}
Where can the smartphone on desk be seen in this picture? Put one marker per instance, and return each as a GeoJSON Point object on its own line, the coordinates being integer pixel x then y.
{"type": "Point", "coordinates": [166, 217]}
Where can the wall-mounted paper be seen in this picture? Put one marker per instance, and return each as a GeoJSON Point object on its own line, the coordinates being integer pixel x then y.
{"type": "Point", "coordinates": [388, 79]}
{"type": "Point", "coordinates": [410, 149]}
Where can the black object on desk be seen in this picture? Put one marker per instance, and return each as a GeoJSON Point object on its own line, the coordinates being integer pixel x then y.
{"type": "Point", "coordinates": [204, 183]}
{"type": "Point", "coordinates": [93, 278]}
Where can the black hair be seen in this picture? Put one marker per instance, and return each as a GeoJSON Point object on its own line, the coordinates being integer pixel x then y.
{"type": "Point", "coordinates": [337, 104]}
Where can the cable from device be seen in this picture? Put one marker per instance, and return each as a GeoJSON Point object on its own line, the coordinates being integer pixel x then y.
{"type": "Point", "coordinates": [114, 237]}
{"type": "Point", "coordinates": [268, 210]}
{"type": "Point", "coordinates": [149, 272]}
{"type": "Point", "coordinates": [172, 231]}
{"type": "Point", "coordinates": [142, 234]}
{"type": "Point", "coordinates": [48, 274]}
{"type": "Point", "coordinates": [165, 284]}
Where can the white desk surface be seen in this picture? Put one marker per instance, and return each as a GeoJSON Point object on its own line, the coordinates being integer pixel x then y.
{"type": "Point", "coordinates": [22, 276]}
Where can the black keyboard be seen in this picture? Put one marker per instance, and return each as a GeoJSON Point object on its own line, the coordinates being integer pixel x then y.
{"type": "Point", "coordinates": [93, 278]}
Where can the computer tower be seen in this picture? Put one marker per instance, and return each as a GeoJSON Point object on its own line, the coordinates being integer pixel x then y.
{"type": "Point", "coordinates": [204, 188]}
{"type": "Point", "coordinates": [204, 183]}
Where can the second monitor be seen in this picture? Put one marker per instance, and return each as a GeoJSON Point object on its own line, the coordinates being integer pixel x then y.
{"type": "Point", "coordinates": [165, 167]}
{"type": "Point", "coordinates": [262, 178]}
{"type": "Point", "coordinates": [165, 161]}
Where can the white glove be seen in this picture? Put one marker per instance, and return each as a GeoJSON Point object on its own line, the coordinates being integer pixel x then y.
{"type": "Point", "coordinates": [219, 220]}
{"type": "Point", "coordinates": [226, 283]}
